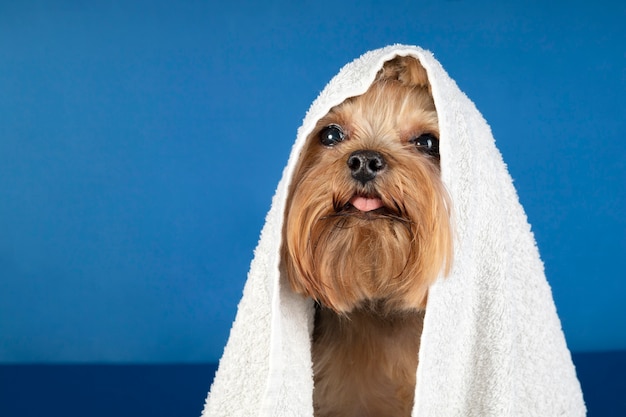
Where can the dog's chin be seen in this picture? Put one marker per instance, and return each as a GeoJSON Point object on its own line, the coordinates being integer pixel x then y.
{"type": "Point", "coordinates": [367, 244]}
{"type": "Point", "coordinates": [359, 251]}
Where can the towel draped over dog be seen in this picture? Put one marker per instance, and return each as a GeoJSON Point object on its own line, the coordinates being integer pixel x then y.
{"type": "Point", "coordinates": [492, 343]}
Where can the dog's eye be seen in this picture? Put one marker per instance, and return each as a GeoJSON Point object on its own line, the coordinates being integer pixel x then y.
{"type": "Point", "coordinates": [331, 135]}
{"type": "Point", "coordinates": [427, 143]}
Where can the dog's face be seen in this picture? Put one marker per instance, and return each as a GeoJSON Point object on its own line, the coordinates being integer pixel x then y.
{"type": "Point", "coordinates": [367, 217]}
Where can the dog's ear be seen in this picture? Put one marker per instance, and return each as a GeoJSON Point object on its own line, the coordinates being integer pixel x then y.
{"type": "Point", "coordinates": [405, 69]}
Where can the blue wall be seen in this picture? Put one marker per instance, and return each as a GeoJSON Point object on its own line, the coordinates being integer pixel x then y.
{"type": "Point", "coordinates": [140, 144]}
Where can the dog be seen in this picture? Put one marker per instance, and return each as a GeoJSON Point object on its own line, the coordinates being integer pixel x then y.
{"type": "Point", "coordinates": [367, 230]}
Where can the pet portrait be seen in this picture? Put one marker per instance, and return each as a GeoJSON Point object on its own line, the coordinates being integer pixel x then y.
{"type": "Point", "coordinates": [396, 274]}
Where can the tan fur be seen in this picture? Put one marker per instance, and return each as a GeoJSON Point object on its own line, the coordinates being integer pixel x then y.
{"type": "Point", "coordinates": [369, 271]}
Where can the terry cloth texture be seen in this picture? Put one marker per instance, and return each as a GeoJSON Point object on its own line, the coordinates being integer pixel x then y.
{"type": "Point", "coordinates": [492, 343]}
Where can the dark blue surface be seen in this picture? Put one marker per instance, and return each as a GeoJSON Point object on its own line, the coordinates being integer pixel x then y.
{"type": "Point", "coordinates": [179, 390]}
{"type": "Point", "coordinates": [104, 390]}
{"type": "Point", "coordinates": [603, 379]}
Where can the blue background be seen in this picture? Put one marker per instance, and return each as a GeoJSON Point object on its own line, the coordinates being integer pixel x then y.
{"type": "Point", "coordinates": [141, 142]}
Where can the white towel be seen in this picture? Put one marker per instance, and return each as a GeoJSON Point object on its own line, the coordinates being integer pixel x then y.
{"type": "Point", "coordinates": [492, 343]}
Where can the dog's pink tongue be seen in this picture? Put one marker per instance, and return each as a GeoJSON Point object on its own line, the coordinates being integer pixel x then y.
{"type": "Point", "coordinates": [366, 204]}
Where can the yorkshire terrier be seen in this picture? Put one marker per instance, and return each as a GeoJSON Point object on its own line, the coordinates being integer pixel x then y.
{"type": "Point", "coordinates": [367, 230]}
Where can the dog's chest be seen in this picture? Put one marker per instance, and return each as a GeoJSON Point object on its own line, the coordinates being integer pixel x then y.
{"type": "Point", "coordinates": [365, 365]}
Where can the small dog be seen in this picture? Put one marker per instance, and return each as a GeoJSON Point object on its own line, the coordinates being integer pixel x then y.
{"type": "Point", "coordinates": [367, 231]}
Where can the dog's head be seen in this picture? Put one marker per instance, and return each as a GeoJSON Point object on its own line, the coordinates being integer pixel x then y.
{"type": "Point", "coordinates": [367, 217]}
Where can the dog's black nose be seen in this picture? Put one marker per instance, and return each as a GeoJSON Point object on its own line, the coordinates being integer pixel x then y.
{"type": "Point", "coordinates": [365, 165]}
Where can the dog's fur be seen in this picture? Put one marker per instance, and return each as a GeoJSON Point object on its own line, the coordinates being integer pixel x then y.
{"type": "Point", "coordinates": [369, 270]}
